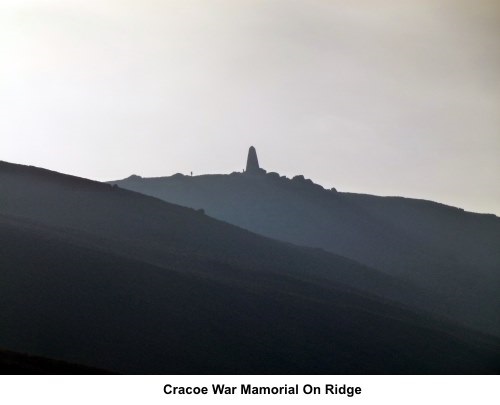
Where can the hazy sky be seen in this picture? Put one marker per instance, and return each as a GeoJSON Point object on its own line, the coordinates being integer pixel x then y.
{"type": "Point", "coordinates": [374, 96]}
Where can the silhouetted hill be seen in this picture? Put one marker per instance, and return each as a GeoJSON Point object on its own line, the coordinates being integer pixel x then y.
{"type": "Point", "coordinates": [101, 276]}
{"type": "Point", "coordinates": [451, 254]}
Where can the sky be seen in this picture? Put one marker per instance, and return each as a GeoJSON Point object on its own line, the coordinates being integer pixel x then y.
{"type": "Point", "coordinates": [369, 96]}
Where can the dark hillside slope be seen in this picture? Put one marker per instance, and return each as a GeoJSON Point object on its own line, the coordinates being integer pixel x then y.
{"type": "Point", "coordinates": [113, 279]}
{"type": "Point", "coordinates": [163, 234]}
{"type": "Point", "coordinates": [81, 305]}
{"type": "Point", "coordinates": [20, 363]}
{"type": "Point", "coordinates": [452, 254]}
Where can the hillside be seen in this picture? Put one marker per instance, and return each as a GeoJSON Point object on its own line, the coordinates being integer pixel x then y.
{"type": "Point", "coordinates": [20, 363]}
{"type": "Point", "coordinates": [96, 275]}
{"type": "Point", "coordinates": [450, 254]}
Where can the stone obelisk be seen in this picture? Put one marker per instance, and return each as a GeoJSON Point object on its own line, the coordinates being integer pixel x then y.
{"type": "Point", "coordinates": [252, 161]}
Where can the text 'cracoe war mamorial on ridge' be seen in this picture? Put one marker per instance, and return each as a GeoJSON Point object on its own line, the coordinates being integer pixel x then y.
{"type": "Point", "coordinates": [249, 389]}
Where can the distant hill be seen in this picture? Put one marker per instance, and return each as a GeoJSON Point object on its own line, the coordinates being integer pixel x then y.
{"type": "Point", "coordinates": [97, 275]}
{"type": "Point", "coordinates": [453, 255]}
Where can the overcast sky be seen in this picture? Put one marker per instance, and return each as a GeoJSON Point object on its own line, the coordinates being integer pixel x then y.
{"type": "Point", "coordinates": [373, 96]}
